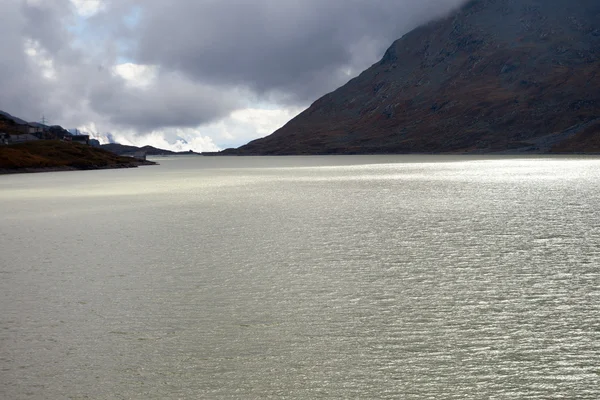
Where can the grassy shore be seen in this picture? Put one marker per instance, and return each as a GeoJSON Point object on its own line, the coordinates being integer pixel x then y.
{"type": "Point", "coordinates": [54, 155]}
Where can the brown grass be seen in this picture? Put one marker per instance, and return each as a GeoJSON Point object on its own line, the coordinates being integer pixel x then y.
{"type": "Point", "coordinates": [56, 154]}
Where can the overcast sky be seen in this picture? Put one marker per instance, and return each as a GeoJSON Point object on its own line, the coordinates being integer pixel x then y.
{"type": "Point", "coordinates": [189, 74]}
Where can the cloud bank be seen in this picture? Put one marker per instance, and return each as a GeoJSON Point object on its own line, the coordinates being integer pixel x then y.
{"type": "Point", "coordinates": [190, 74]}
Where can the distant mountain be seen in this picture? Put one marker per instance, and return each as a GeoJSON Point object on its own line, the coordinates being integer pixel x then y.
{"type": "Point", "coordinates": [122, 149]}
{"type": "Point", "coordinates": [42, 126]}
{"type": "Point", "coordinates": [497, 75]}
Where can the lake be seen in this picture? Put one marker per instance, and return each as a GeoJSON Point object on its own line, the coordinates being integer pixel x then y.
{"type": "Point", "coordinates": [372, 277]}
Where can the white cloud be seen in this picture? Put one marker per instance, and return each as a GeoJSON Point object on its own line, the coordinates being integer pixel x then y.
{"type": "Point", "coordinates": [136, 75]}
{"type": "Point", "coordinates": [185, 140]}
{"type": "Point", "coordinates": [264, 121]}
{"type": "Point", "coordinates": [175, 140]}
{"type": "Point", "coordinates": [247, 124]}
{"type": "Point", "coordinates": [42, 61]}
{"type": "Point", "coordinates": [238, 128]}
{"type": "Point", "coordinates": [88, 8]}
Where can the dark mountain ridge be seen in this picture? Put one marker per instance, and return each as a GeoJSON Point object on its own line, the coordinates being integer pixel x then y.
{"type": "Point", "coordinates": [122, 149]}
{"type": "Point", "coordinates": [497, 75]}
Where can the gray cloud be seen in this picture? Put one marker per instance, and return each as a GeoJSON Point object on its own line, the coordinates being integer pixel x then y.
{"type": "Point", "coordinates": [172, 101]}
{"type": "Point", "coordinates": [45, 22]}
{"type": "Point", "coordinates": [211, 56]}
{"type": "Point", "coordinates": [18, 81]}
{"type": "Point", "coordinates": [299, 48]}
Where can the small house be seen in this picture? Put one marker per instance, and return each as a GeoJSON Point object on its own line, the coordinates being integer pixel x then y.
{"type": "Point", "coordinates": [35, 128]}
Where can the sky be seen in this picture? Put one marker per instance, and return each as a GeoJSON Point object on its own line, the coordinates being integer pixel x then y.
{"type": "Point", "coordinates": [195, 75]}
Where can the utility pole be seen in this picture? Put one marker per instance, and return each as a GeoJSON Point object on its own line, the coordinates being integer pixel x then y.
{"type": "Point", "coordinates": [44, 127]}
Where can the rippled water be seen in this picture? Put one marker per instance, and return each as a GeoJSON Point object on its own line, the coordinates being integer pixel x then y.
{"type": "Point", "coordinates": [303, 277]}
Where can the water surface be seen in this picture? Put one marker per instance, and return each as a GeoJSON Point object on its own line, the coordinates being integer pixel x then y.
{"type": "Point", "coordinates": [406, 277]}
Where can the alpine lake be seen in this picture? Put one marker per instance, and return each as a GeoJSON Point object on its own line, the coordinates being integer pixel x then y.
{"type": "Point", "coordinates": [363, 277]}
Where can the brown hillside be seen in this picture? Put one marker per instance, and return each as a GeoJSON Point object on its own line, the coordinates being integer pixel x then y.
{"type": "Point", "coordinates": [54, 154]}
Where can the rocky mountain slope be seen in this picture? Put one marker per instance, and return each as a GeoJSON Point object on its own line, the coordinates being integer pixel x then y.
{"type": "Point", "coordinates": [498, 75]}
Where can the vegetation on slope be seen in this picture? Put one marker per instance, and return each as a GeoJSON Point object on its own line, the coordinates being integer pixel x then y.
{"type": "Point", "coordinates": [56, 155]}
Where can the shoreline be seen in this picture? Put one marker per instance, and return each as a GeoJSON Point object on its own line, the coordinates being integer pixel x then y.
{"type": "Point", "coordinates": [33, 170]}
{"type": "Point", "coordinates": [55, 155]}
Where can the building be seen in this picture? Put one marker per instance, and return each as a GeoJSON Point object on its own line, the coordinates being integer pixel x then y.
{"type": "Point", "coordinates": [22, 138]}
{"type": "Point", "coordinates": [83, 139]}
{"type": "Point", "coordinates": [34, 128]}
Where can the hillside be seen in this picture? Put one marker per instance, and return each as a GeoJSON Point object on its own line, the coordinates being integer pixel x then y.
{"type": "Point", "coordinates": [496, 76]}
{"type": "Point", "coordinates": [54, 155]}
{"type": "Point", "coordinates": [8, 124]}
{"type": "Point", "coordinates": [16, 126]}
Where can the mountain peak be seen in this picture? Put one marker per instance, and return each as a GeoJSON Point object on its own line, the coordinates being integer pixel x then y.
{"type": "Point", "coordinates": [496, 75]}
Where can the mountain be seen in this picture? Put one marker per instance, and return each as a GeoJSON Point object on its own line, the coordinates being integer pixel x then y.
{"type": "Point", "coordinates": [497, 75]}
{"type": "Point", "coordinates": [122, 149]}
{"type": "Point", "coordinates": [8, 124]}
{"type": "Point", "coordinates": [6, 116]}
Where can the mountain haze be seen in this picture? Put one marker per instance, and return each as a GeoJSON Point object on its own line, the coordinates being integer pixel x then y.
{"type": "Point", "coordinates": [497, 75]}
